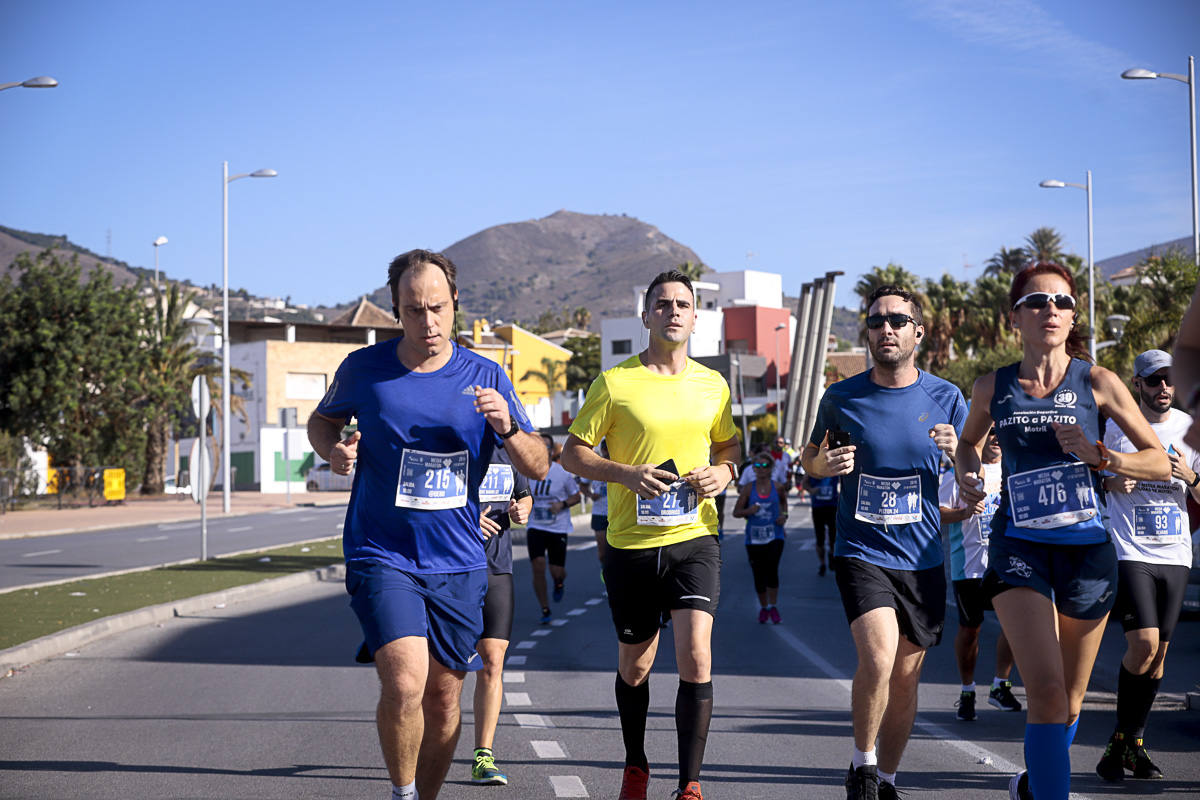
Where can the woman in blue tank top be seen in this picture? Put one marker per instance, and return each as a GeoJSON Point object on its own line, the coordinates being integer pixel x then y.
{"type": "Point", "coordinates": [1052, 570]}
{"type": "Point", "coordinates": [765, 512]}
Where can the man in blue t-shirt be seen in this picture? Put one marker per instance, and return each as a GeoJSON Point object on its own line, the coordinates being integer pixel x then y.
{"type": "Point", "coordinates": [883, 432]}
{"type": "Point", "coordinates": [430, 414]}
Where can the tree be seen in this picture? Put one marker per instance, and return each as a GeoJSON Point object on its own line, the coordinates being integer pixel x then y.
{"type": "Point", "coordinates": [945, 313]}
{"type": "Point", "coordinates": [581, 317]}
{"type": "Point", "coordinates": [584, 365]}
{"type": "Point", "coordinates": [1044, 244]}
{"type": "Point", "coordinates": [693, 269]}
{"type": "Point", "coordinates": [210, 370]}
{"type": "Point", "coordinates": [1155, 305]}
{"type": "Point", "coordinates": [71, 363]}
{"type": "Point", "coordinates": [552, 375]}
{"type": "Point", "coordinates": [1006, 262]}
{"type": "Point", "coordinates": [168, 368]}
{"type": "Point", "coordinates": [891, 275]}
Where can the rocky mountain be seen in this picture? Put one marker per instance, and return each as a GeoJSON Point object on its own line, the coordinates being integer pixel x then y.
{"type": "Point", "coordinates": [518, 270]}
{"type": "Point", "coordinates": [14, 242]}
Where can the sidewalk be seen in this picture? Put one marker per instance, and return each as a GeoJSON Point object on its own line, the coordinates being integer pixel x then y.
{"type": "Point", "coordinates": [151, 511]}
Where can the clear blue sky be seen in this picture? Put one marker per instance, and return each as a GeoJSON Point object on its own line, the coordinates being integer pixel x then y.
{"type": "Point", "coordinates": [818, 135]}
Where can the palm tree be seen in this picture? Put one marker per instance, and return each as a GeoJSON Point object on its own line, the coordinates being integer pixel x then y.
{"type": "Point", "coordinates": [165, 379]}
{"type": "Point", "coordinates": [945, 314]}
{"type": "Point", "coordinates": [1044, 244]}
{"type": "Point", "coordinates": [210, 369]}
{"type": "Point", "coordinates": [693, 269]}
{"type": "Point", "coordinates": [582, 317]}
{"type": "Point", "coordinates": [891, 275]}
{"type": "Point", "coordinates": [1007, 262]}
{"type": "Point", "coordinates": [552, 375]}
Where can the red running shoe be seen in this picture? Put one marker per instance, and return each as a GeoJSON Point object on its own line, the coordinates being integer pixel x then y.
{"type": "Point", "coordinates": [763, 616]}
{"type": "Point", "coordinates": [633, 784]}
{"type": "Point", "coordinates": [775, 618]}
{"type": "Point", "coordinates": [689, 792]}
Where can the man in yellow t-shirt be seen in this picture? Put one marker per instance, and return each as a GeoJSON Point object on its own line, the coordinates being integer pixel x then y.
{"type": "Point", "coordinates": [673, 447]}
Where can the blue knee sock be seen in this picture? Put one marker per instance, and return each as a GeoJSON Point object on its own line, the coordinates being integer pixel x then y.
{"type": "Point", "coordinates": [1071, 732]}
{"type": "Point", "coordinates": [1048, 761]}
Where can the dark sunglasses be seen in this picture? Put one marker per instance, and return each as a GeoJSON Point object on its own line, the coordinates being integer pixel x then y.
{"type": "Point", "coordinates": [762, 463]}
{"type": "Point", "coordinates": [1157, 380]}
{"type": "Point", "coordinates": [897, 321]}
{"type": "Point", "coordinates": [992, 432]}
{"type": "Point", "coordinates": [1036, 301]}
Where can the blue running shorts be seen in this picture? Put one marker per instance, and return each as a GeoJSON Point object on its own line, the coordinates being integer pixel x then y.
{"type": "Point", "coordinates": [1081, 579]}
{"type": "Point", "coordinates": [446, 608]}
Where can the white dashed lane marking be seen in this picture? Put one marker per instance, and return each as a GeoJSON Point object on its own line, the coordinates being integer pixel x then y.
{"type": "Point", "coordinates": [514, 677]}
{"type": "Point", "coordinates": [517, 699]}
{"type": "Point", "coordinates": [515, 661]}
{"type": "Point", "coordinates": [526, 644]}
{"type": "Point", "coordinates": [548, 749]}
{"type": "Point", "coordinates": [533, 721]}
{"type": "Point", "coordinates": [575, 612]}
{"type": "Point", "coordinates": [558, 623]}
{"type": "Point", "coordinates": [542, 632]}
{"type": "Point", "coordinates": [40, 553]}
{"type": "Point", "coordinates": [243, 528]}
{"type": "Point", "coordinates": [568, 786]}
{"type": "Point", "coordinates": [152, 539]}
{"type": "Point", "coordinates": [594, 601]}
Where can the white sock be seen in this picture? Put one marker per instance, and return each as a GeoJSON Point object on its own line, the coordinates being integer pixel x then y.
{"type": "Point", "coordinates": [887, 777]}
{"type": "Point", "coordinates": [969, 687]}
{"type": "Point", "coordinates": [996, 682]}
{"type": "Point", "coordinates": [864, 758]}
{"type": "Point", "coordinates": [405, 792]}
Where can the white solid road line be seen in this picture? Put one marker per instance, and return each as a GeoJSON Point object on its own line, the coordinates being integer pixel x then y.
{"type": "Point", "coordinates": [937, 732]}
{"type": "Point", "coordinates": [568, 786]}
{"type": "Point", "coordinates": [40, 553]}
{"type": "Point", "coordinates": [545, 749]}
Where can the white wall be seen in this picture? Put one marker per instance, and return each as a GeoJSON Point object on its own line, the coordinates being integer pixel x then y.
{"type": "Point", "coordinates": [252, 357]}
{"type": "Point", "coordinates": [749, 287]}
{"type": "Point", "coordinates": [611, 330]}
{"type": "Point", "coordinates": [270, 445]}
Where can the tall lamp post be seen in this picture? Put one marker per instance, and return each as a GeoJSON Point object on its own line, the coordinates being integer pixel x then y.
{"type": "Point", "coordinates": [1091, 264]}
{"type": "Point", "coordinates": [44, 82]}
{"type": "Point", "coordinates": [1190, 80]}
{"type": "Point", "coordinates": [159, 242]}
{"type": "Point", "coordinates": [227, 179]}
{"type": "Point", "coordinates": [778, 397]}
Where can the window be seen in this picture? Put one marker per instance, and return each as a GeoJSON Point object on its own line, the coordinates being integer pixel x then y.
{"type": "Point", "coordinates": [622, 346]}
{"type": "Point", "coordinates": [305, 385]}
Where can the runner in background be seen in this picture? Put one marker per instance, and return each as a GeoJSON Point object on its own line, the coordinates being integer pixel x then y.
{"type": "Point", "coordinates": [549, 526]}
{"type": "Point", "coordinates": [824, 494]}
{"type": "Point", "coordinates": [765, 512]}
{"type": "Point", "coordinates": [968, 534]}
{"type": "Point", "coordinates": [1149, 524]}
{"type": "Point", "coordinates": [504, 497]}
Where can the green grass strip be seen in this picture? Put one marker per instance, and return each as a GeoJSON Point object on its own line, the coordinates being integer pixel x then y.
{"type": "Point", "coordinates": [30, 613]}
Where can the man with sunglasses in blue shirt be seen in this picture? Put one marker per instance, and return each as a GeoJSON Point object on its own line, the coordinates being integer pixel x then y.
{"type": "Point", "coordinates": [883, 432]}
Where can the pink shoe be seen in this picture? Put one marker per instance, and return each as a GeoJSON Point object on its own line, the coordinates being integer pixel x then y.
{"type": "Point", "coordinates": [775, 618]}
{"type": "Point", "coordinates": [763, 615]}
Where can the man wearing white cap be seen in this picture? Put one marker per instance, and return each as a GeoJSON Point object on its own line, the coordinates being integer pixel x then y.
{"type": "Point", "coordinates": [1149, 525]}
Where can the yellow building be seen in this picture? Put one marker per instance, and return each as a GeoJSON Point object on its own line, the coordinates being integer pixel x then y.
{"type": "Point", "coordinates": [520, 351]}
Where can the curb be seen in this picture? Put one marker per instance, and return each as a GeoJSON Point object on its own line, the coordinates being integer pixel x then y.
{"type": "Point", "coordinates": [56, 644]}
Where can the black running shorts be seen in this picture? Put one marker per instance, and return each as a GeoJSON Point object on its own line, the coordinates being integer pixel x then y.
{"type": "Point", "coordinates": [1150, 596]}
{"type": "Point", "coordinates": [972, 601]}
{"type": "Point", "coordinates": [544, 544]}
{"type": "Point", "coordinates": [645, 583]}
{"type": "Point", "coordinates": [918, 596]}
{"type": "Point", "coordinates": [498, 607]}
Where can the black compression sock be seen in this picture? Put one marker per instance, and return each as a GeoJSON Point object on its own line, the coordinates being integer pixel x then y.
{"type": "Point", "coordinates": [1135, 696]}
{"type": "Point", "coordinates": [693, 712]}
{"type": "Point", "coordinates": [633, 703]}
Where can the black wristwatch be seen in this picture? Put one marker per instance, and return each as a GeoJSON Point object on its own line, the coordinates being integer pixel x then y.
{"type": "Point", "coordinates": [511, 432]}
{"type": "Point", "coordinates": [1195, 481]}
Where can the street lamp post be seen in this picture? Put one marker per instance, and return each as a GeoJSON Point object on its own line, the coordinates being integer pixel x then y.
{"type": "Point", "coordinates": [778, 397]}
{"type": "Point", "coordinates": [44, 82]}
{"type": "Point", "coordinates": [159, 242]}
{"type": "Point", "coordinates": [1190, 80]}
{"type": "Point", "coordinates": [226, 439]}
{"type": "Point", "coordinates": [1051, 184]}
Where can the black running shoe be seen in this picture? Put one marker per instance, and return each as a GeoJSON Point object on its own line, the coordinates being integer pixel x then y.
{"type": "Point", "coordinates": [1112, 764]}
{"type": "Point", "coordinates": [1018, 787]}
{"type": "Point", "coordinates": [1002, 697]}
{"type": "Point", "coordinates": [862, 783]}
{"type": "Point", "coordinates": [888, 791]}
{"type": "Point", "coordinates": [966, 706]}
{"type": "Point", "coordinates": [1137, 761]}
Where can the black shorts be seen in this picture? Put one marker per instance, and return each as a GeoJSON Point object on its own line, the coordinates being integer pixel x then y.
{"type": "Point", "coordinates": [1081, 579]}
{"type": "Point", "coordinates": [918, 596]}
{"type": "Point", "coordinates": [645, 583]}
{"type": "Point", "coordinates": [600, 523]}
{"type": "Point", "coordinates": [972, 601]}
{"type": "Point", "coordinates": [824, 519]}
{"type": "Point", "coordinates": [1150, 596]}
{"type": "Point", "coordinates": [551, 546]}
{"type": "Point", "coordinates": [498, 607]}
